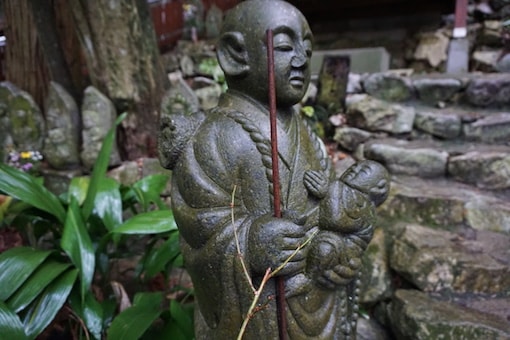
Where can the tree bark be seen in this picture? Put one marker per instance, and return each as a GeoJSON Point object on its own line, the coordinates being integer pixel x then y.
{"type": "Point", "coordinates": [123, 61]}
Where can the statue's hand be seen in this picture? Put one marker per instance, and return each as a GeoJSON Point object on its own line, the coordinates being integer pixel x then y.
{"type": "Point", "coordinates": [316, 182]}
{"type": "Point", "coordinates": [345, 269]}
{"type": "Point", "coordinates": [272, 241]}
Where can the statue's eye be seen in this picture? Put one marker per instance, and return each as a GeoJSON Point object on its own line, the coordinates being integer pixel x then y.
{"type": "Point", "coordinates": [282, 42]}
{"type": "Point", "coordinates": [308, 48]}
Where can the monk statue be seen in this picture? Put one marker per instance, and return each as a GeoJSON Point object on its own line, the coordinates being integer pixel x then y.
{"type": "Point", "coordinates": [223, 193]}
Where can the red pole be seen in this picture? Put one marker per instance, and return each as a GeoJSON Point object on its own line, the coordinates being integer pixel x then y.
{"type": "Point", "coordinates": [460, 29]}
{"type": "Point", "coordinates": [280, 284]}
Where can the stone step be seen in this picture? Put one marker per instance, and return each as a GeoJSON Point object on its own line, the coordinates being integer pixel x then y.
{"type": "Point", "coordinates": [416, 315]}
{"type": "Point", "coordinates": [446, 204]}
{"type": "Point", "coordinates": [475, 90]}
{"type": "Point", "coordinates": [485, 166]}
{"type": "Point", "coordinates": [416, 121]}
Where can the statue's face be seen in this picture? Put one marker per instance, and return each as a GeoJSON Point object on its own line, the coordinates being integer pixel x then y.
{"type": "Point", "coordinates": [370, 178]}
{"type": "Point", "coordinates": [292, 42]}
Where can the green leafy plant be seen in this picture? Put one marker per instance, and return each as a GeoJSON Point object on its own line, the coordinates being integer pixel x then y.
{"type": "Point", "coordinates": [83, 231]}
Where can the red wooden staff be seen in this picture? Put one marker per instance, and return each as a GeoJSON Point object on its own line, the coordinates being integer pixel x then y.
{"type": "Point", "coordinates": [280, 284]}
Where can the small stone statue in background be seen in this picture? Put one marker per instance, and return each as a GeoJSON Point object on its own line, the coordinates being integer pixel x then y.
{"type": "Point", "coordinates": [224, 169]}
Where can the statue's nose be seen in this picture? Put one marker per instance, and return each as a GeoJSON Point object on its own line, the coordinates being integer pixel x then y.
{"type": "Point", "coordinates": [300, 59]}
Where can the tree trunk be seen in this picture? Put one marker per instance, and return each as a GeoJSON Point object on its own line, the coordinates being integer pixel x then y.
{"type": "Point", "coordinates": [123, 62]}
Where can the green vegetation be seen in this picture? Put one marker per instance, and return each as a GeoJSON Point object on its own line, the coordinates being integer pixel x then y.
{"type": "Point", "coordinates": [73, 239]}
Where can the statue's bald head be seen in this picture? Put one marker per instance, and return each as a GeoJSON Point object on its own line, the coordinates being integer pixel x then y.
{"type": "Point", "coordinates": [242, 52]}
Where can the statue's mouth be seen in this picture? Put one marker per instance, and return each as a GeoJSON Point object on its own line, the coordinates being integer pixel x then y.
{"type": "Point", "coordinates": [297, 81]}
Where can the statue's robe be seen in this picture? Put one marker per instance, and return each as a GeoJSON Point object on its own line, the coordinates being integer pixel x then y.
{"type": "Point", "coordinates": [227, 162]}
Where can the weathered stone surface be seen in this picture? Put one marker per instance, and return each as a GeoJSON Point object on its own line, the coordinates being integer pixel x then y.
{"type": "Point", "coordinates": [373, 114]}
{"type": "Point", "coordinates": [445, 204]}
{"type": "Point", "coordinates": [491, 129]}
{"type": "Point", "coordinates": [388, 86]}
{"type": "Point", "coordinates": [61, 146]}
{"type": "Point", "coordinates": [432, 47]}
{"type": "Point", "coordinates": [180, 98]}
{"type": "Point", "coordinates": [7, 90]}
{"type": "Point", "coordinates": [368, 329]}
{"type": "Point", "coordinates": [484, 61]}
{"type": "Point", "coordinates": [498, 4]}
{"type": "Point", "coordinates": [376, 282]}
{"type": "Point", "coordinates": [414, 315]}
{"type": "Point", "coordinates": [434, 90]}
{"type": "Point", "coordinates": [483, 213]}
{"type": "Point", "coordinates": [127, 173]}
{"type": "Point", "coordinates": [438, 123]}
{"type": "Point", "coordinates": [401, 157]}
{"type": "Point", "coordinates": [57, 181]}
{"type": "Point", "coordinates": [98, 114]}
{"type": "Point", "coordinates": [349, 138]}
{"type": "Point", "coordinates": [485, 170]}
{"type": "Point", "coordinates": [27, 126]}
{"type": "Point", "coordinates": [493, 91]}
{"type": "Point", "coordinates": [436, 260]}
{"type": "Point", "coordinates": [208, 96]}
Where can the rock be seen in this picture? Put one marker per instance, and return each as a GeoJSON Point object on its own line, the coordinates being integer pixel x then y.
{"type": "Point", "coordinates": [438, 123]}
{"type": "Point", "coordinates": [349, 138]}
{"type": "Point", "coordinates": [209, 95]}
{"type": "Point", "coordinates": [445, 204]}
{"type": "Point", "coordinates": [404, 158]}
{"type": "Point", "coordinates": [484, 61]}
{"type": "Point", "coordinates": [376, 284]}
{"type": "Point", "coordinates": [414, 315]}
{"type": "Point", "coordinates": [490, 34]}
{"type": "Point", "coordinates": [489, 91]}
{"type": "Point", "coordinates": [187, 66]}
{"type": "Point", "coordinates": [437, 260]}
{"type": "Point", "coordinates": [432, 47]}
{"type": "Point", "coordinates": [57, 181]}
{"type": "Point", "coordinates": [483, 213]}
{"type": "Point", "coordinates": [98, 114]}
{"type": "Point", "coordinates": [503, 64]}
{"type": "Point", "coordinates": [354, 83]}
{"type": "Point", "coordinates": [434, 90]}
{"type": "Point", "coordinates": [180, 98]}
{"type": "Point", "coordinates": [490, 170]}
{"type": "Point", "coordinates": [62, 143]}
{"type": "Point", "coordinates": [127, 173]}
{"type": "Point", "coordinates": [7, 90]}
{"type": "Point", "coordinates": [373, 114]}
{"type": "Point", "coordinates": [388, 86]}
{"type": "Point", "coordinates": [368, 329]}
{"type": "Point", "coordinates": [494, 128]}
{"type": "Point", "coordinates": [27, 126]}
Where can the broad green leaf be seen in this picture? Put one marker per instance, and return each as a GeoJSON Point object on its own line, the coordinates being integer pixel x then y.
{"type": "Point", "coordinates": [152, 222]}
{"type": "Point", "coordinates": [108, 203]}
{"type": "Point", "coordinates": [158, 258]}
{"type": "Point", "coordinates": [100, 167]}
{"type": "Point", "coordinates": [78, 188]}
{"type": "Point", "coordinates": [35, 284]}
{"type": "Point", "coordinates": [90, 311]}
{"type": "Point", "coordinates": [135, 320]}
{"type": "Point", "coordinates": [43, 310]}
{"type": "Point", "coordinates": [16, 265]}
{"type": "Point", "coordinates": [27, 188]}
{"type": "Point", "coordinates": [78, 246]}
{"type": "Point", "coordinates": [149, 189]}
{"type": "Point", "coordinates": [10, 324]}
{"type": "Point", "coordinates": [170, 330]}
{"type": "Point", "coordinates": [183, 318]}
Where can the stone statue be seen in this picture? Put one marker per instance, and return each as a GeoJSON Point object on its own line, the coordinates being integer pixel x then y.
{"type": "Point", "coordinates": [223, 169]}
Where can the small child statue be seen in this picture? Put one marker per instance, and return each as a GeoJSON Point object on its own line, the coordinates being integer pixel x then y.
{"type": "Point", "coordinates": [347, 208]}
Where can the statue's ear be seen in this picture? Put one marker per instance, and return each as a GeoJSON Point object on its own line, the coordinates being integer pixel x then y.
{"type": "Point", "coordinates": [232, 54]}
